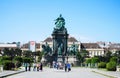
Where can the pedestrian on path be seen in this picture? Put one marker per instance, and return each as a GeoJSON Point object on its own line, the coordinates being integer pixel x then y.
{"type": "Point", "coordinates": [29, 66]}
{"type": "Point", "coordinates": [38, 67]}
{"type": "Point", "coordinates": [65, 67]}
{"type": "Point", "coordinates": [69, 67]}
{"type": "Point", "coordinates": [25, 66]}
{"type": "Point", "coordinates": [41, 66]}
{"type": "Point", "coordinates": [57, 65]}
{"type": "Point", "coordinates": [34, 66]}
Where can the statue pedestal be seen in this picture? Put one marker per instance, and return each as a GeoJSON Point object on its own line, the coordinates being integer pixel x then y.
{"type": "Point", "coordinates": [60, 39]}
{"type": "Point", "coordinates": [59, 59]}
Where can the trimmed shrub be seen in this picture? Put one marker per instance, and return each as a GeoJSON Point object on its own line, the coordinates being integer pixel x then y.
{"type": "Point", "coordinates": [27, 60]}
{"type": "Point", "coordinates": [8, 65]}
{"type": "Point", "coordinates": [111, 66]}
{"type": "Point", "coordinates": [102, 65]}
{"type": "Point", "coordinates": [18, 61]}
{"type": "Point", "coordinates": [18, 64]}
{"type": "Point", "coordinates": [17, 58]}
{"type": "Point", "coordinates": [95, 60]}
{"type": "Point", "coordinates": [6, 58]}
{"type": "Point", "coordinates": [88, 60]}
{"type": "Point", "coordinates": [113, 59]}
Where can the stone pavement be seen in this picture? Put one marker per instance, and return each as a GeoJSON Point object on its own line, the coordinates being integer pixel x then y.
{"type": "Point", "coordinates": [6, 73]}
{"type": "Point", "coordinates": [76, 72]}
{"type": "Point", "coordinates": [114, 74]}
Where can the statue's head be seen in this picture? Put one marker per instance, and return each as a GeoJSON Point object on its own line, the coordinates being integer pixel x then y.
{"type": "Point", "coordinates": [61, 18]}
{"type": "Point", "coordinates": [60, 15]}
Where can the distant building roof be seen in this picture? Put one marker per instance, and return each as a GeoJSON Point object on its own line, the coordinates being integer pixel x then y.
{"type": "Point", "coordinates": [70, 39]}
{"type": "Point", "coordinates": [90, 45]}
{"type": "Point", "coordinates": [49, 39]}
{"type": "Point", "coordinates": [8, 45]}
{"type": "Point", "coordinates": [2, 46]}
{"type": "Point", "coordinates": [114, 46]}
{"type": "Point", "coordinates": [25, 45]}
{"type": "Point", "coordinates": [37, 45]}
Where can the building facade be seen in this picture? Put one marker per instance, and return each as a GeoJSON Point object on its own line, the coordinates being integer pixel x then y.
{"type": "Point", "coordinates": [9, 46]}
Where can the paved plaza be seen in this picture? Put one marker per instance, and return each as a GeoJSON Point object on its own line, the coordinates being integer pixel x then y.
{"type": "Point", "coordinates": [54, 73]}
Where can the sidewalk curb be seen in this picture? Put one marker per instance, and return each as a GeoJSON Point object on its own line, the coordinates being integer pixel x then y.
{"type": "Point", "coordinates": [105, 74]}
{"type": "Point", "coordinates": [11, 74]}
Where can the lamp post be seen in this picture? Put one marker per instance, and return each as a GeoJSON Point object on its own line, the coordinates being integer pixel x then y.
{"type": "Point", "coordinates": [67, 58]}
{"type": "Point", "coordinates": [117, 58]}
{"type": "Point", "coordinates": [1, 67]}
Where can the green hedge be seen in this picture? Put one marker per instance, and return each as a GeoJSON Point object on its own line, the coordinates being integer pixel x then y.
{"type": "Point", "coordinates": [18, 61]}
{"type": "Point", "coordinates": [18, 58]}
{"type": "Point", "coordinates": [8, 65]}
{"type": "Point", "coordinates": [27, 60]}
{"type": "Point", "coordinates": [111, 66]}
{"type": "Point", "coordinates": [5, 58]}
{"type": "Point", "coordinates": [102, 65]}
{"type": "Point", "coordinates": [95, 60]}
{"type": "Point", "coordinates": [113, 59]}
{"type": "Point", "coordinates": [88, 61]}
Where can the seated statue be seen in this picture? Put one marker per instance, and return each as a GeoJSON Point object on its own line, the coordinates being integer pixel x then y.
{"type": "Point", "coordinates": [46, 49]}
{"type": "Point", "coordinates": [60, 23]}
{"type": "Point", "coordinates": [60, 49]}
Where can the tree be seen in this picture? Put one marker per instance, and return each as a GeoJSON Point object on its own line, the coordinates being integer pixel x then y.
{"type": "Point", "coordinates": [101, 58]}
{"type": "Point", "coordinates": [18, 61]}
{"type": "Point", "coordinates": [6, 52]}
{"type": "Point", "coordinates": [12, 53]}
{"type": "Point", "coordinates": [18, 52]}
{"type": "Point", "coordinates": [88, 60]}
{"type": "Point", "coordinates": [27, 60]}
{"type": "Point", "coordinates": [27, 53]}
{"type": "Point", "coordinates": [113, 59]}
{"type": "Point", "coordinates": [117, 54]}
{"type": "Point", "coordinates": [111, 66]}
{"type": "Point", "coordinates": [40, 56]}
{"type": "Point", "coordinates": [95, 61]}
{"type": "Point", "coordinates": [9, 52]}
{"type": "Point", "coordinates": [107, 56]}
{"type": "Point", "coordinates": [84, 53]}
{"type": "Point", "coordinates": [79, 57]}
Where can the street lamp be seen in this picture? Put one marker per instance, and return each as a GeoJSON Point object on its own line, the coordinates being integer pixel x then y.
{"type": "Point", "coordinates": [117, 58]}
{"type": "Point", "coordinates": [1, 67]}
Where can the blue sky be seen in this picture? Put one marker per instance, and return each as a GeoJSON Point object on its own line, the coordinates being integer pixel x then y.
{"type": "Point", "coordinates": [86, 20]}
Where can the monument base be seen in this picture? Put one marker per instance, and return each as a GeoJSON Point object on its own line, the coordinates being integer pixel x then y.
{"type": "Point", "coordinates": [69, 59]}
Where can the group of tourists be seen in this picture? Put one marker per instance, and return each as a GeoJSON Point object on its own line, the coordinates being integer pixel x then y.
{"type": "Point", "coordinates": [39, 66]}
{"type": "Point", "coordinates": [36, 67]}
{"type": "Point", "coordinates": [59, 65]}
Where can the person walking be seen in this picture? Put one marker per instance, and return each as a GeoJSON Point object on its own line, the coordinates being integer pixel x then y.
{"type": "Point", "coordinates": [25, 66]}
{"type": "Point", "coordinates": [34, 66]}
{"type": "Point", "coordinates": [41, 66]}
{"type": "Point", "coordinates": [29, 67]}
{"type": "Point", "coordinates": [69, 67]}
{"type": "Point", "coordinates": [65, 67]}
{"type": "Point", "coordinates": [38, 67]}
{"type": "Point", "coordinates": [57, 65]}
